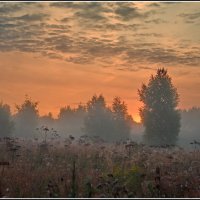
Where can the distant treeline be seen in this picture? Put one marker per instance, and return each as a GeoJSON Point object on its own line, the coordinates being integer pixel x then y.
{"type": "Point", "coordinates": [164, 124]}
{"type": "Point", "coordinates": [95, 118]}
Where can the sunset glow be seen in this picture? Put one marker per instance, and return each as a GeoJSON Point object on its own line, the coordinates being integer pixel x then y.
{"type": "Point", "coordinates": [137, 118]}
{"type": "Point", "coordinates": [63, 53]}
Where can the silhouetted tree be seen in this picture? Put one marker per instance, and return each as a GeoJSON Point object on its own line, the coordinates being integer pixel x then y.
{"type": "Point", "coordinates": [71, 120]}
{"type": "Point", "coordinates": [122, 121]}
{"type": "Point", "coordinates": [6, 124]}
{"type": "Point", "coordinates": [80, 110]}
{"type": "Point", "coordinates": [111, 124]}
{"type": "Point", "coordinates": [26, 118]}
{"type": "Point", "coordinates": [66, 112]}
{"type": "Point", "coordinates": [159, 113]}
{"type": "Point", "coordinates": [99, 121]}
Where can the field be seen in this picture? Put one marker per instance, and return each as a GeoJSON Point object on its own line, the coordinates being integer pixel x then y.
{"type": "Point", "coordinates": [89, 167]}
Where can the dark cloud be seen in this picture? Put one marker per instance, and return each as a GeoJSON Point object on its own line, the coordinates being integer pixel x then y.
{"type": "Point", "coordinates": [7, 25]}
{"type": "Point", "coordinates": [156, 21]}
{"type": "Point", "coordinates": [81, 5]}
{"type": "Point", "coordinates": [130, 68]}
{"type": "Point", "coordinates": [65, 5]}
{"type": "Point", "coordinates": [57, 29]}
{"type": "Point", "coordinates": [89, 15]}
{"type": "Point", "coordinates": [159, 55]}
{"type": "Point", "coordinates": [189, 21]}
{"type": "Point", "coordinates": [59, 43]}
{"type": "Point", "coordinates": [127, 13]}
{"type": "Point", "coordinates": [32, 17]}
{"type": "Point", "coordinates": [65, 19]}
{"type": "Point", "coordinates": [17, 35]}
{"type": "Point", "coordinates": [101, 49]}
{"type": "Point", "coordinates": [148, 34]}
{"type": "Point", "coordinates": [149, 68]}
{"type": "Point", "coordinates": [12, 7]}
{"type": "Point", "coordinates": [115, 27]}
{"type": "Point", "coordinates": [53, 55]}
{"type": "Point", "coordinates": [32, 32]}
{"type": "Point", "coordinates": [93, 11]}
{"type": "Point", "coordinates": [190, 17]}
{"type": "Point", "coordinates": [9, 8]}
{"type": "Point", "coordinates": [81, 59]}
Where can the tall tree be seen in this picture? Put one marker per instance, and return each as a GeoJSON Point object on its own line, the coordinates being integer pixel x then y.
{"type": "Point", "coordinates": [66, 112]}
{"type": "Point", "coordinates": [122, 121]}
{"type": "Point", "coordinates": [159, 113]}
{"type": "Point", "coordinates": [6, 124]}
{"type": "Point", "coordinates": [26, 119]}
{"type": "Point", "coordinates": [111, 124]}
{"type": "Point", "coordinates": [71, 120]}
{"type": "Point", "coordinates": [98, 121]}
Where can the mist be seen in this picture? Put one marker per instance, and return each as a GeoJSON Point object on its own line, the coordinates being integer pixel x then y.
{"type": "Point", "coordinates": [190, 127]}
{"type": "Point", "coordinates": [26, 123]}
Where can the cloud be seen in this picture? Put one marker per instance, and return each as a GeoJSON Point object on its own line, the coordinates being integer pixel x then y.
{"type": "Point", "coordinates": [80, 5]}
{"type": "Point", "coordinates": [53, 55]}
{"type": "Point", "coordinates": [80, 37]}
{"type": "Point", "coordinates": [154, 5]}
{"type": "Point", "coordinates": [89, 15]}
{"type": "Point", "coordinates": [161, 55]}
{"type": "Point", "coordinates": [63, 4]}
{"type": "Point", "coordinates": [80, 59]}
{"type": "Point", "coordinates": [156, 21]}
{"type": "Point", "coordinates": [9, 8]}
{"type": "Point", "coordinates": [148, 35]}
{"type": "Point", "coordinates": [65, 19]}
{"type": "Point", "coordinates": [101, 27]}
{"type": "Point", "coordinates": [126, 12]}
{"type": "Point", "coordinates": [93, 11]}
{"type": "Point", "coordinates": [32, 17]}
{"type": "Point", "coordinates": [190, 17]}
{"type": "Point", "coordinates": [99, 48]}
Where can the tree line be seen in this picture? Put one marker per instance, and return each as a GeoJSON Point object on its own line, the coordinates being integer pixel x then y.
{"type": "Point", "coordinates": [159, 115]}
{"type": "Point", "coordinates": [94, 119]}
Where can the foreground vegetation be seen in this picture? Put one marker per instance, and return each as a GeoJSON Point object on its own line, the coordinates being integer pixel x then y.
{"type": "Point", "coordinates": [89, 167]}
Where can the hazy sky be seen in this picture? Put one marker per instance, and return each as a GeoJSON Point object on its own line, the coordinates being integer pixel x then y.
{"type": "Point", "coordinates": [62, 53]}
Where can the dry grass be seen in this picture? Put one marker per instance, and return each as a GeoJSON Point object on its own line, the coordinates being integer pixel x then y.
{"type": "Point", "coordinates": [90, 168]}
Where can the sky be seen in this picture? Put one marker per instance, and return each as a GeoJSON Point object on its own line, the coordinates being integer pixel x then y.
{"type": "Point", "coordinates": [62, 53]}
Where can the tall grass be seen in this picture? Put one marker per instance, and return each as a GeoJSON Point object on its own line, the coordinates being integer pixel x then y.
{"type": "Point", "coordinates": [84, 167]}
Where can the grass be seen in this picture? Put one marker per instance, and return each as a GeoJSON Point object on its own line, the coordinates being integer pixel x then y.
{"type": "Point", "coordinates": [84, 167]}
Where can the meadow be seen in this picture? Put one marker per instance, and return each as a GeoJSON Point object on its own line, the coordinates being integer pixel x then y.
{"type": "Point", "coordinates": [89, 167]}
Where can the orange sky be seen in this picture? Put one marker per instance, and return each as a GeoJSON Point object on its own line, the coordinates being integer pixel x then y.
{"type": "Point", "coordinates": [63, 53]}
